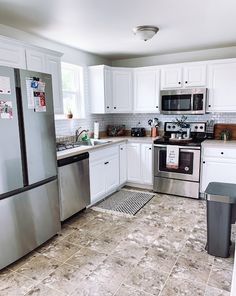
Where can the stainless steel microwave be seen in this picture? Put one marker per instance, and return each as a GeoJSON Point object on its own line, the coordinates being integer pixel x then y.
{"type": "Point", "coordinates": [183, 101]}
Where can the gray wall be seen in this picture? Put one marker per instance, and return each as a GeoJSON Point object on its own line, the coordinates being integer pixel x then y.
{"type": "Point", "coordinates": [191, 56]}
{"type": "Point", "coordinates": [70, 54]}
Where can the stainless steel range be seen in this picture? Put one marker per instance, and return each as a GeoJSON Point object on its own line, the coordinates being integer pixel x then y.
{"type": "Point", "coordinates": [183, 177]}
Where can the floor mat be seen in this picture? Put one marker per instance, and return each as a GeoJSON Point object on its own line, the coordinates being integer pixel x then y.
{"type": "Point", "coordinates": [125, 201]}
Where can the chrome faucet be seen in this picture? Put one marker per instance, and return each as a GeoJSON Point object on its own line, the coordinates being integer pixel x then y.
{"type": "Point", "coordinates": [78, 133]}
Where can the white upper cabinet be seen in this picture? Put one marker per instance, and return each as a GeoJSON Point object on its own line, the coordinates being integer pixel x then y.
{"type": "Point", "coordinates": [19, 55]}
{"type": "Point", "coordinates": [40, 61]}
{"type": "Point", "coordinates": [12, 54]}
{"type": "Point", "coordinates": [35, 60]}
{"type": "Point", "coordinates": [53, 67]}
{"type": "Point", "coordinates": [110, 89]}
{"type": "Point", "coordinates": [183, 76]}
{"type": "Point", "coordinates": [171, 77]}
{"type": "Point", "coordinates": [146, 90]}
{"type": "Point", "coordinates": [222, 86]}
{"type": "Point", "coordinates": [195, 75]}
{"type": "Point", "coordinates": [100, 89]}
{"type": "Point", "coordinates": [122, 90]}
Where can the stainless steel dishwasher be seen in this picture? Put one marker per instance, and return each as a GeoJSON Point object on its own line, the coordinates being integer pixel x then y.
{"type": "Point", "coordinates": [74, 185]}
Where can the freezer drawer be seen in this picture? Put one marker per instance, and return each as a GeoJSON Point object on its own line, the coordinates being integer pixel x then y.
{"type": "Point", "coordinates": [74, 184]}
{"type": "Point", "coordinates": [27, 220]}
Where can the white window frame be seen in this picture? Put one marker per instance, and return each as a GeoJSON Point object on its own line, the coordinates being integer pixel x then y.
{"type": "Point", "coordinates": [78, 92]}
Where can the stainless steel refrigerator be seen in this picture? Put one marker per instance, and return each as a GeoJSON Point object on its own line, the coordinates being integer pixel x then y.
{"type": "Point", "coordinates": [29, 206]}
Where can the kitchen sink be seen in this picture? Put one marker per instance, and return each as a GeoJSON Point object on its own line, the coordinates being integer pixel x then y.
{"type": "Point", "coordinates": [92, 142]}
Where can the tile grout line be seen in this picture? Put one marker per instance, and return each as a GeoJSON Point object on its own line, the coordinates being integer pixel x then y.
{"type": "Point", "coordinates": [208, 280]}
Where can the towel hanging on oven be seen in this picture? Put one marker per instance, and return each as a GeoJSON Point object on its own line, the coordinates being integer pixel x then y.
{"type": "Point", "coordinates": [172, 157]}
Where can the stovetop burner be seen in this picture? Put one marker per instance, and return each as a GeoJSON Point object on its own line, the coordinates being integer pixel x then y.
{"type": "Point", "coordinates": [198, 134]}
{"type": "Point", "coordinates": [184, 142]}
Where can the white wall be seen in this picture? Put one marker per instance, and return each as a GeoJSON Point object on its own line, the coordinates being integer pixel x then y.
{"type": "Point", "coordinates": [191, 56]}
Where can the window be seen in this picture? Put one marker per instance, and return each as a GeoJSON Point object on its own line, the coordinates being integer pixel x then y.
{"type": "Point", "coordinates": [72, 90]}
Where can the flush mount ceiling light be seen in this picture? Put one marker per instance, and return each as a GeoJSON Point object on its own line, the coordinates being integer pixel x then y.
{"type": "Point", "coordinates": [145, 32]}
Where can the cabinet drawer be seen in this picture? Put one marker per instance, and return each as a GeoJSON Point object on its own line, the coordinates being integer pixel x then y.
{"type": "Point", "coordinates": [220, 152]}
{"type": "Point", "coordinates": [103, 153]}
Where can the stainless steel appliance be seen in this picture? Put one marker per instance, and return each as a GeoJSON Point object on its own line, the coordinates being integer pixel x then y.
{"type": "Point", "coordinates": [74, 184]}
{"type": "Point", "coordinates": [29, 203]}
{"type": "Point", "coordinates": [183, 101]}
{"type": "Point", "coordinates": [184, 179]}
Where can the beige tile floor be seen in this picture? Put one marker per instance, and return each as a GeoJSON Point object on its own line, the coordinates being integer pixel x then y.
{"type": "Point", "coordinates": [160, 251]}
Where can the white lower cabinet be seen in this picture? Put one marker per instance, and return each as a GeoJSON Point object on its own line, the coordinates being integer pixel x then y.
{"type": "Point", "coordinates": [218, 165]}
{"type": "Point", "coordinates": [123, 163]}
{"type": "Point", "coordinates": [97, 180]}
{"type": "Point", "coordinates": [139, 162]}
{"type": "Point", "coordinates": [112, 173]}
{"type": "Point", "coordinates": [114, 166]}
{"type": "Point", "coordinates": [133, 162]}
{"type": "Point", "coordinates": [104, 172]}
{"type": "Point", "coordinates": [146, 164]}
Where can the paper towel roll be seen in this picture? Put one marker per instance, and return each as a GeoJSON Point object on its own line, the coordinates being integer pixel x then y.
{"type": "Point", "coordinates": [96, 130]}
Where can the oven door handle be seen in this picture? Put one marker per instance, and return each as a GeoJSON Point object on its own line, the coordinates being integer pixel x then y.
{"type": "Point", "coordinates": [187, 149]}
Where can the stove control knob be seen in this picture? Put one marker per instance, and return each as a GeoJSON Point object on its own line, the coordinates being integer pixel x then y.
{"type": "Point", "coordinates": [201, 127]}
{"type": "Point", "coordinates": [173, 126]}
{"type": "Point", "coordinates": [169, 126]}
{"type": "Point", "coordinates": [186, 169]}
{"type": "Point", "coordinates": [196, 126]}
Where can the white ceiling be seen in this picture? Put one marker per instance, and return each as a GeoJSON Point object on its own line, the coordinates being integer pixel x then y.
{"type": "Point", "coordinates": [105, 27]}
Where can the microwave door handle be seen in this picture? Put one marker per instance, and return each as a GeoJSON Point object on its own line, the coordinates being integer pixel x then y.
{"type": "Point", "coordinates": [192, 102]}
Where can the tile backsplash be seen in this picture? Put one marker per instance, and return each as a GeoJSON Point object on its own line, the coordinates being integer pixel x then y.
{"type": "Point", "coordinates": [68, 126]}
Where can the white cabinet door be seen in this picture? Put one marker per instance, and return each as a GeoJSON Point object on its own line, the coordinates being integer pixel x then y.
{"type": "Point", "coordinates": [171, 77]}
{"type": "Point", "coordinates": [123, 163]}
{"type": "Point", "coordinates": [122, 90]}
{"type": "Point", "coordinates": [217, 171]}
{"type": "Point", "coordinates": [146, 164]}
{"type": "Point", "coordinates": [108, 90]}
{"type": "Point", "coordinates": [35, 60]}
{"type": "Point", "coordinates": [97, 180]}
{"type": "Point", "coordinates": [222, 87]}
{"type": "Point", "coordinates": [146, 90]}
{"type": "Point", "coordinates": [112, 173]}
{"type": "Point", "coordinates": [134, 162]}
{"type": "Point", "coordinates": [53, 64]}
{"type": "Point", "coordinates": [12, 55]}
{"type": "Point", "coordinates": [100, 89]}
{"type": "Point", "coordinates": [195, 75]}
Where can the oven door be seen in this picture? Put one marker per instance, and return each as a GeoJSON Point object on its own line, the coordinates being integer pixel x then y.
{"type": "Point", "coordinates": [189, 163]}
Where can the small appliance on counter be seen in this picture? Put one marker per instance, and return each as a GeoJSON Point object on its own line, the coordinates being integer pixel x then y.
{"type": "Point", "coordinates": [138, 132]}
{"type": "Point", "coordinates": [116, 130]}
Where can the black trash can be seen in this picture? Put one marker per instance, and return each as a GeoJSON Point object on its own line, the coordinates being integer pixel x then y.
{"type": "Point", "coordinates": [221, 198]}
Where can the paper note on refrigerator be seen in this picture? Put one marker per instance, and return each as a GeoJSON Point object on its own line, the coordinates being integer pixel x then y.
{"type": "Point", "coordinates": [6, 109]}
{"type": "Point", "coordinates": [5, 85]}
{"type": "Point", "coordinates": [30, 93]}
{"type": "Point", "coordinates": [39, 101]}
